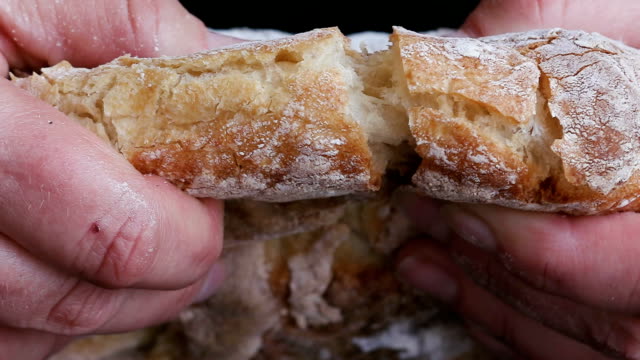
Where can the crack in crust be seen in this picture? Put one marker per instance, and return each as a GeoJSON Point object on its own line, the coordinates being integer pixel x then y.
{"type": "Point", "coordinates": [545, 120]}
{"type": "Point", "coordinates": [587, 118]}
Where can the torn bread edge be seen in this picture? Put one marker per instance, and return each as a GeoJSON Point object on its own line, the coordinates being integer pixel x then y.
{"type": "Point", "coordinates": [545, 120]}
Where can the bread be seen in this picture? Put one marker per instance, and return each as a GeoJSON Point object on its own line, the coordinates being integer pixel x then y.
{"type": "Point", "coordinates": [277, 121]}
{"type": "Point", "coordinates": [545, 121]}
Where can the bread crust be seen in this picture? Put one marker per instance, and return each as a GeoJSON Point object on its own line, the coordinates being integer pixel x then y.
{"type": "Point", "coordinates": [265, 120]}
{"type": "Point", "coordinates": [546, 120]}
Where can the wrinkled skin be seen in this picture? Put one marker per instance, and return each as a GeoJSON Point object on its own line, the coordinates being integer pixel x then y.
{"type": "Point", "coordinates": [87, 244]}
{"type": "Point", "coordinates": [532, 285]}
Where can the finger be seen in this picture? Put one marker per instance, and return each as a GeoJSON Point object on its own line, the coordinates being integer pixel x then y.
{"type": "Point", "coordinates": [528, 338]}
{"type": "Point", "coordinates": [614, 18]}
{"type": "Point", "coordinates": [87, 33]}
{"type": "Point", "coordinates": [34, 296]}
{"type": "Point", "coordinates": [612, 333]}
{"type": "Point", "coordinates": [484, 338]}
{"type": "Point", "coordinates": [70, 199]}
{"type": "Point", "coordinates": [29, 344]}
{"type": "Point", "coordinates": [87, 309]}
{"type": "Point", "coordinates": [591, 260]}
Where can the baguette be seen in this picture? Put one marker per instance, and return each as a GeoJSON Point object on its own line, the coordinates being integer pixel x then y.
{"type": "Point", "coordinates": [278, 121]}
{"type": "Point", "coordinates": [544, 120]}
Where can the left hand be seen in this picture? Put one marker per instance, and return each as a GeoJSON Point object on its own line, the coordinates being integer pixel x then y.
{"type": "Point", "coordinates": [87, 244]}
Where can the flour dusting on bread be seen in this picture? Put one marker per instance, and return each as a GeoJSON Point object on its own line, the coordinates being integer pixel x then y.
{"type": "Point", "coordinates": [547, 120]}
{"type": "Point", "coordinates": [277, 121]}
{"type": "Point", "coordinates": [544, 121]}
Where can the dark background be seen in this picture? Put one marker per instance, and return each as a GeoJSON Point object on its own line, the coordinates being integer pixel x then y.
{"type": "Point", "coordinates": [306, 15]}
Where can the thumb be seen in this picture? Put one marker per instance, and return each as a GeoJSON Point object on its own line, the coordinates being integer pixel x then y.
{"type": "Point", "coordinates": [553, 253]}
{"type": "Point", "coordinates": [613, 18]}
{"type": "Point", "coordinates": [35, 33]}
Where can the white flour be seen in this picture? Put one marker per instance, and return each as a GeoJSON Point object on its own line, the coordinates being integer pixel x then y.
{"type": "Point", "coordinates": [371, 40]}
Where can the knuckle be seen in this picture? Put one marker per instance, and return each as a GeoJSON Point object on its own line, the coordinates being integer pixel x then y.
{"type": "Point", "coordinates": [633, 293]}
{"type": "Point", "coordinates": [124, 253]}
{"type": "Point", "coordinates": [544, 12]}
{"type": "Point", "coordinates": [547, 277]}
{"type": "Point", "coordinates": [477, 270]}
{"type": "Point", "coordinates": [81, 310]}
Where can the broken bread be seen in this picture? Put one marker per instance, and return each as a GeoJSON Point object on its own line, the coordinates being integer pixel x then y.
{"type": "Point", "coordinates": [277, 121]}
{"type": "Point", "coordinates": [545, 120]}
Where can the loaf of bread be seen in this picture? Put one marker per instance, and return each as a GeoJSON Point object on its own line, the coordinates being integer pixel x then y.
{"type": "Point", "coordinates": [547, 120]}
{"type": "Point", "coordinates": [279, 121]}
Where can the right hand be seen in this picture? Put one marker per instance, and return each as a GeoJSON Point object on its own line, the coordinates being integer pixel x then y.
{"type": "Point", "coordinates": [536, 285]}
{"type": "Point", "coordinates": [87, 244]}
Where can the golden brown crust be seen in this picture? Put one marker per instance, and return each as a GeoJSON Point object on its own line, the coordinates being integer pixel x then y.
{"type": "Point", "coordinates": [592, 87]}
{"type": "Point", "coordinates": [494, 76]}
{"type": "Point", "coordinates": [545, 121]}
{"type": "Point", "coordinates": [267, 121]}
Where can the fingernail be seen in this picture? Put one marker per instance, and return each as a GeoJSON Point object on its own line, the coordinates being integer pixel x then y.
{"type": "Point", "coordinates": [469, 227]}
{"type": "Point", "coordinates": [428, 278]}
{"type": "Point", "coordinates": [212, 282]}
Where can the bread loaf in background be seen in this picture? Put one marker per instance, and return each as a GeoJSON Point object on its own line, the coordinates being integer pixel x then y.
{"type": "Point", "coordinates": [324, 290]}
{"type": "Point", "coordinates": [546, 120]}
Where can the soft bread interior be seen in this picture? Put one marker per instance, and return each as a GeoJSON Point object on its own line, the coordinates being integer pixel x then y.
{"type": "Point", "coordinates": [384, 90]}
{"type": "Point", "coordinates": [384, 123]}
{"type": "Point", "coordinates": [474, 143]}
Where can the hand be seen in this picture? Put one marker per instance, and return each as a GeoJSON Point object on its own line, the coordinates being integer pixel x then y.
{"type": "Point", "coordinates": [542, 286]}
{"type": "Point", "coordinates": [87, 244]}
